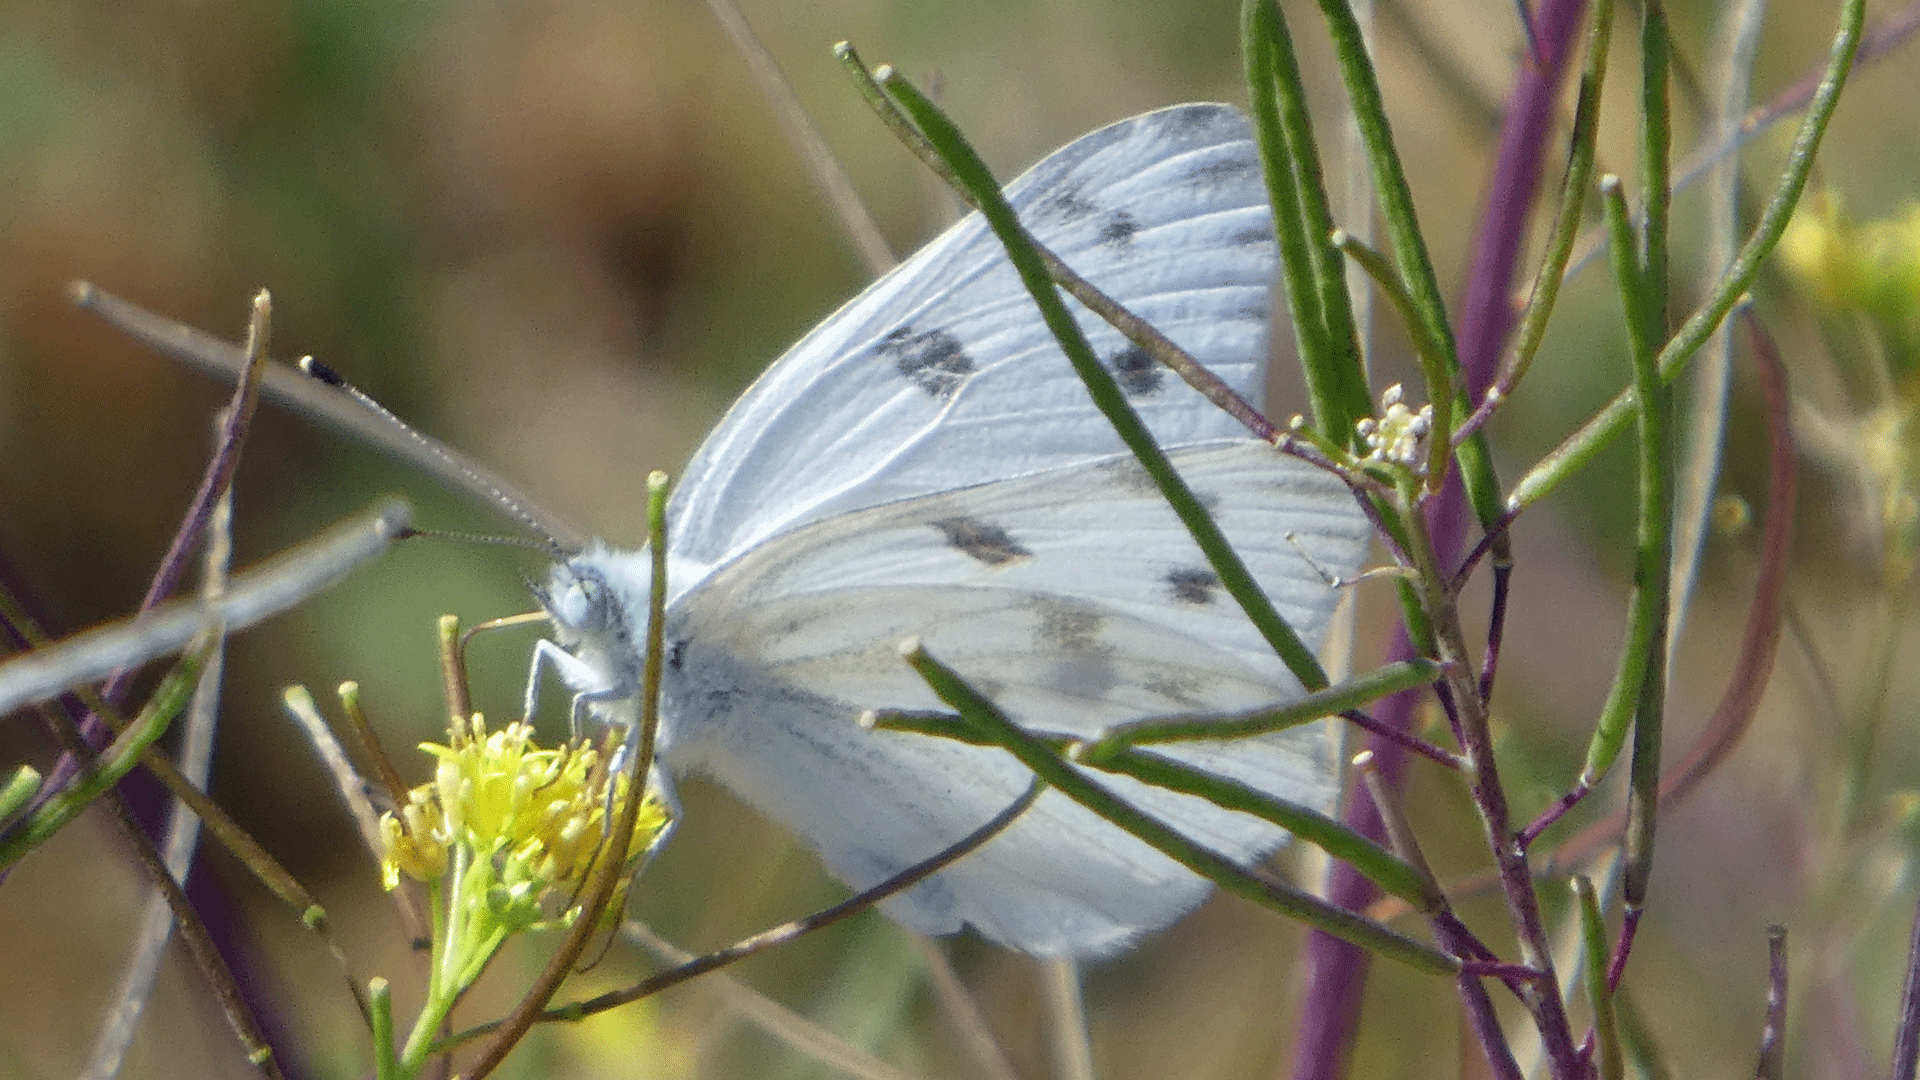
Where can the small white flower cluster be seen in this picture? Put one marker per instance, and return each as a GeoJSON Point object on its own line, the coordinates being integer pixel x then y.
{"type": "Point", "coordinates": [1399, 434]}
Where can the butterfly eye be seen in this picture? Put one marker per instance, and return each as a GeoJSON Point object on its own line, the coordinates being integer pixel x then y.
{"type": "Point", "coordinates": [589, 603]}
{"type": "Point", "coordinates": [573, 600]}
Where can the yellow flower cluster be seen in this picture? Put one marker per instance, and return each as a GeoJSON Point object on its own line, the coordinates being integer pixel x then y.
{"type": "Point", "coordinates": [1869, 272]}
{"type": "Point", "coordinates": [1872, 267]}
{"type": "Point", "coordinates": [537, 815]}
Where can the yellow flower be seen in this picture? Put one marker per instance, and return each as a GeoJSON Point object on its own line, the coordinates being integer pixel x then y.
{"type": "Point", "coordinates": [1870, 267]}
{"type": "Point", "coordinates": [415, 843]}
{"type": "Point", "coordinates": [536, 816]}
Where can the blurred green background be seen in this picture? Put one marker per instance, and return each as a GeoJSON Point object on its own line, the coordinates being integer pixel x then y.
{"type": "Point", "coordinates": [561, 236]}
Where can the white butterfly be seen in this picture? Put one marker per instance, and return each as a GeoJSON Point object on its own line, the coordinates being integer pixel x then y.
{"type": "Point", "coordinates": [926, 464]}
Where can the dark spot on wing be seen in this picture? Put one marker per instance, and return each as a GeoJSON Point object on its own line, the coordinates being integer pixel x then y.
{"type": "Point", "coordinates": [1087, 676]}
{"type": "Point", "coordinates": [1220, 170]}
{"type": "Point", "coordinates": [1117, 231]}
{"type": "Point", "coordinates": [1193, 585]}
{"type": "Point", "coordinates": [1140, 375]}
{"type": "Point", "coordinates": [984, 543]}
{"type": "Point", "coordinates": [934, 361]}
{"type": "Point", "coordinates": [1067, 625]}
{"type": "Point", "coordinates": [1066, 204]}
{"type": "Point", "coordinates": [1079, 664]}
{"type": "Point", "coordinates": [1128, 473]}
{"type": "Point", "coordinates": [676, 654]}
{"type": "Point", "coordinates": [1183, 691]}
{"type": "Point", "coordinates": [1197, 119]}
{"type": "Point", "coordinates": [1248, 237]}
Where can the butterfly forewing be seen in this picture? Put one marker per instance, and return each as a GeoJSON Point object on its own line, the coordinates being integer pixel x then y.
{"type": "Point", "coordinates": [942, 374]}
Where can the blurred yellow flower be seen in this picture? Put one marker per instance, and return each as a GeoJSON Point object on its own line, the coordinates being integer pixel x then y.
{"type": "Point", "coordinates": [1871, 267]}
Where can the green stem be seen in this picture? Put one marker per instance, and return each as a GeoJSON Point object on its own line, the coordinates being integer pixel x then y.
{"type": "Point", "coordinates": [1352, 694]}
{"type": "Point", "coordinates": [1583, 445]}
{"type": "Point", "coordinates": [1593, 942]}
{"type": "Point", "coordinates": [119, 757]}
{"type": "Point", "coordinates": [1389, 178]}
{"type": "Point", "coordinates": [380, 1010]}
{"type": "Point", "coordinates": [1313, 277]}
{"type": "Point", "coordinates": [1376, 863]}
{"type": "Point", "coordinates": [1646, 605]}
{"type": "Point", "coordinates": [1566, 228]}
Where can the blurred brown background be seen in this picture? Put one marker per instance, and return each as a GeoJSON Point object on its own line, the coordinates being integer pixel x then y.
{"type": "Point", "coordinates": [561, 235]}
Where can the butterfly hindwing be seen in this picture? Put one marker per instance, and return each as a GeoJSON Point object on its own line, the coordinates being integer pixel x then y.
{"type": "Point", "coordinates": [1076, 599]}
{"type": "Point", "coordinates": [942, 374]}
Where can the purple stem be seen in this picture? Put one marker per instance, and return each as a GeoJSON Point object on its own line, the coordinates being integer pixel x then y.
{"type": "Point", "coordinates": [1414, 744]}
{"type": "Point", "coordinates": [1553, 814]}
{"type": "Point", "coordinates": [1773, 1034]}
{"type": "Point", "coordinates": [1906, 1034]}
{"type": "Point", "coordinates": [1337, 972]}
{"type": "Point", "coordinates": [1481, 1016]}
{"type": "Point", "coordinates": [1499, 969]}
{"type": "Point", "coordinates": [234, 425]}
{"type": "Point", "coordinates": [1623, 947]}
{"type": "Point", "coordinates": [1496, 629]}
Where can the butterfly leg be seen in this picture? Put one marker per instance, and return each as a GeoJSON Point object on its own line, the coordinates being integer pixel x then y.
{"type": "Point", "coordinates": [591, 686]}
{"type": "Point", "coordinates": [623, 760]}
{"type": "Point", "coordinates": [662, 785]}
{"type": "Point", "coordinates": [588, 683]}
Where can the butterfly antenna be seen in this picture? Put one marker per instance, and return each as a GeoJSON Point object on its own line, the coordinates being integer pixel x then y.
{"type": "Point", "coordinates": [543, 546]}
{"type": "Point", "coordinates": [555, 537]}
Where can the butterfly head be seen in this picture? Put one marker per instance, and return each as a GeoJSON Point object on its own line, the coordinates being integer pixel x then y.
{"type": "Point", "coordinates": [594, 645]}
{"type": "Point", "coordinates": [597, 600]}
{"type": "Point", "coordinates": [579, 600]}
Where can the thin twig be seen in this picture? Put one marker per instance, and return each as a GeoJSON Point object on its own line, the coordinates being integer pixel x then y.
{"type": "Point", "coordinates": [1906, 1034]}
{"type": "Point", "coordinates": [1067, 1014]}
{"type": "Point", "coordinates": [268, 589]}
{"type": "Point", "coordinates": [790, 1027]}
{"type": "Point", "coordinates": [836, 187]}
{"type": "Point", "coordinates": [321, 404]}
{"type": "Point", "coordinates": [183, 828]}
{"type": "Point", "coordinates": [1773, 1035]}
{"type": "Point", "coordinates": [963, 1011]}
